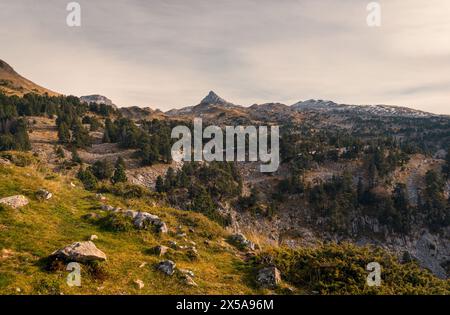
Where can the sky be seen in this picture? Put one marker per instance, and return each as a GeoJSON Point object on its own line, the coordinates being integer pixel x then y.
{"type": "Point", "coordinates": [169, 53]}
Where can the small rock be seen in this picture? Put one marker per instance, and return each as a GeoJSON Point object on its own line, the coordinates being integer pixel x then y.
{"type": "Point", "coordinates": [93, 237]}
{"type": "Point", "coordinates": [269, 277]}
{"type": "Point", "coordinates": [15, 202]}
{"type": "Point", "coordinates": [191, 230]}
{"type": "Point", "coordinates": [44, 194]}
{"type": "Point", "coordinates": [167, 266]}
{"type": "Point", "coordinates": [189, 281]}
{"type": "Point", "coordinates": [188, 272]}
{"type": "Point", "coordinates": [143, 265]}
{"type": "Point", "coordinates": [181, 235]}
{"type": "Point", "coordinates": [18, 290]}
{"type": "Point", "coordinates": [100, 197]}
{"type": "Point", "coordinates": [107, 208]}
{"type": "Point", "coordinates": [162, 228]}
{"type": "Point", "coordinates": [72, 184]}
{"type": "Point", "coordinates": [139, 284]}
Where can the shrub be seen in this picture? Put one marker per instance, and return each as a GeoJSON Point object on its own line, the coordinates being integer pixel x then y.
{"type": "Point", "coordinates": [116, 222]}
{"type": "Point", "coordinates": [341, 269]}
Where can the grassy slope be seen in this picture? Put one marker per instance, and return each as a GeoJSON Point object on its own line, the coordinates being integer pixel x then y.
{"type": "Point", "coordinates": [36, 230]}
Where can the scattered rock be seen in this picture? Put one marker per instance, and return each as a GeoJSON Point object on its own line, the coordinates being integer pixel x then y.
{"type": "Point", "coordinates": [139, 284]}
{"type": "Point", "coordinates": [82, 252]}
{"type": "Point", "coordinates": [242, 242]}
{"type": "Point", "coordinates": [6, 253]}
{"type": "Point", "coordinates": [107, 208]}
{"type": "Point", "coordinates": [188, 272]}
{"type": "Point", "coordinates": [160, 250]}
{"type": "Point", "coordinates": [192, 253]}
{"type": "Point", "coordinates": [269, 277]}
{"type": "Point", "coordinates": [4, 161]}
{"type": "Point", "coordinates": [15, 202]}
{"type": "Point", "coordinates": [143, 220]}
{"type": "Point", "coordinates": [162, 228]}
{"type": "Point", "coordinates": [173, 245]}
{"type": "Point", "coordinates": [100, 197]}
{"type": "Point", "coordinates": [44, 194]}
{"type": "Point", "coordinates": [167, 266]}
{"type": "Point", "coordinates": [189, 281]}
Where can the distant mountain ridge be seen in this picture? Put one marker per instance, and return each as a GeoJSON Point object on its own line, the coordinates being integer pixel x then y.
{"type": "Point", "coordinates": [212, 105]}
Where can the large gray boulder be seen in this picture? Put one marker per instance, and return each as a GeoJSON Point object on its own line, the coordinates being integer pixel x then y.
{"type": "Point", "coordinates": [269, 277]}
{"type": "Point", "coordinates": [144, 220]}
{"type": "Point", "coordinates": [15, 202]}
{"type": "Point", "coordinates": [82, 252]}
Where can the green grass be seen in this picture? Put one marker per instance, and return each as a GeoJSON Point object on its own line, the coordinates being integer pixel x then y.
{"type": "Point", "coordinates": [32, 233]}
{"type": "Point", "coordinates": [36, 230]}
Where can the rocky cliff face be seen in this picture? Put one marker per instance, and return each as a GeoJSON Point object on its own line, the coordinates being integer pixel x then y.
{"type": "Point", "coordinates": [98, 99]}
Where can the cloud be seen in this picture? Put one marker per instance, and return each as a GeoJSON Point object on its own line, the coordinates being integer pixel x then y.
{"type": "Point", "coordinates": [169, 53]}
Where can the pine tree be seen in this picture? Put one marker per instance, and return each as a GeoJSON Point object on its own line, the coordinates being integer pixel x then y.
{"type": "Point", "coordinates": [87, 178]}
{"type": "Point", "coordinates": [159, 186]}
{"type": "Point", "coordinates": [60, 152]}
{"type": "Point", "coordinates": [102, 169]}
{"type": "Point", "coordinates": [120, 175]}
{"type": "Point", "coordinates": [75, 157]}
{"type": "Point", "coordinates": [63, 133]}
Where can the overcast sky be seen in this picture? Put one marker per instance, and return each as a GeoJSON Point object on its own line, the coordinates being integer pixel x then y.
{"type": "Point", "coordinates": [170, 53]}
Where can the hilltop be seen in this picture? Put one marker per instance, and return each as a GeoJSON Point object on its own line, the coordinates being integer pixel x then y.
{"type": "Point", "coordinates": [12, 83]}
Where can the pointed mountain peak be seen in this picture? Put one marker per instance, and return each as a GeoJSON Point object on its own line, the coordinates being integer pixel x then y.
{"type": "Point", "coordinates": [213, 98]}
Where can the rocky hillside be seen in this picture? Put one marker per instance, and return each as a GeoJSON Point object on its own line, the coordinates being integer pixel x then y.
{"type": "Point", "coordinates": [12, 83]}
{"type": "Point", "coordinates": [131, 244]}
{"type": "Point", "coordinates": [368, 176]}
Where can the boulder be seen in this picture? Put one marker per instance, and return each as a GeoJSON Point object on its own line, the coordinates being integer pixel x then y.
{"type": "Point", "coordinates": [242, 242]}
{"type": "Point", "coordinates": [144, 220]}
{"type": "Point", "coordinates": [15, 202]}
{"type": "Point", "coordinates": [167, 266]}
{"type": "Point", "coordinates": [269, 277]}
{"type": "Point", "coordinates": [82, 252]}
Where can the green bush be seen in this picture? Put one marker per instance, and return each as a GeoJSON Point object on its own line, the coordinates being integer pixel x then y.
{"type": "Point", "coordinates": [116, 222]}
{"type": "Point", "coordinates": [341, 269]}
